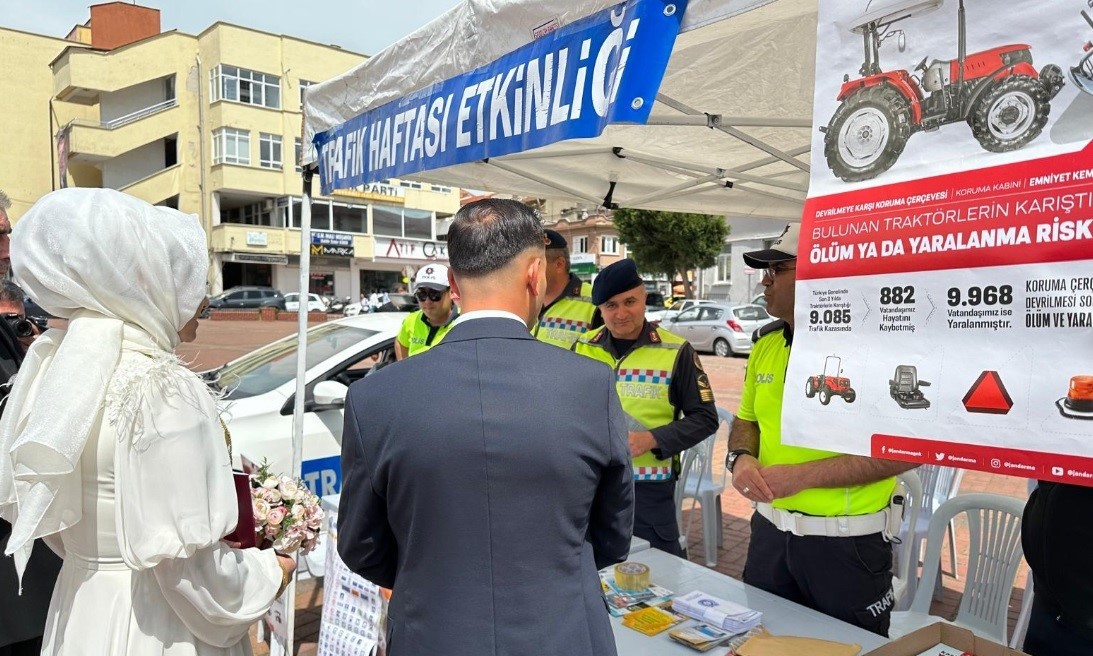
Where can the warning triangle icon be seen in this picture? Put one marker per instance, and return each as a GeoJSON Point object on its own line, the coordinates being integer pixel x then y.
{"type": "Point", "coordinates": [988, 395]}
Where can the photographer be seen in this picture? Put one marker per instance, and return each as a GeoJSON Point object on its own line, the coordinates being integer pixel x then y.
{"type": "Point", "coordinates": [23, 619]}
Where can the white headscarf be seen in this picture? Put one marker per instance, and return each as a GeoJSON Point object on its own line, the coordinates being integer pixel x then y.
{"type": "Point", "coordinates": [112, 265]}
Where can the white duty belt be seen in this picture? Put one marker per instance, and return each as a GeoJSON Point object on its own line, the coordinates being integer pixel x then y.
{"type": "Point", "coordinates": [834, 527]}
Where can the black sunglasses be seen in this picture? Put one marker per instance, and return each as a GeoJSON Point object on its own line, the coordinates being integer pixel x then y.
{"type": "Point", "coordinates": [430, 294]}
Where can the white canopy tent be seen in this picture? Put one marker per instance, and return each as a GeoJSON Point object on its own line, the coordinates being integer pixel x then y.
{"type": "Point", "coordinates": [735, 107]}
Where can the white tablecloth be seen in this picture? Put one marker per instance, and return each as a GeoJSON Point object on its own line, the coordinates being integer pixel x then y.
{"type": "Point", "coordinates": [780, 617]}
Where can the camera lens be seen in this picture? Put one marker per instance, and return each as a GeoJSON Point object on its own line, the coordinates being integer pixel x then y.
{"type": "Point", "coordinates": [23, 328]}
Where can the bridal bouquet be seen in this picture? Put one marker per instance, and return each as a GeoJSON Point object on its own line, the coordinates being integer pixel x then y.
{"type": "Point", "coordinates": [287, 516]}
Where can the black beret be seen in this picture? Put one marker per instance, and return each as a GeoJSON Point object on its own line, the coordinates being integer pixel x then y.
{"type": "Point", "coordinates": [622, 276]}
{"type": "Point", "coordinates": [554, 239]}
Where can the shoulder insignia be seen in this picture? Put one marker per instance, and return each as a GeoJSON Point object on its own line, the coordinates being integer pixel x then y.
{"type": "Point", "coordinates": [597, 338]}
{"type": "Point", "coordinates": [766, 329]}
{"type": "Point", "coordinates": [654, 337]}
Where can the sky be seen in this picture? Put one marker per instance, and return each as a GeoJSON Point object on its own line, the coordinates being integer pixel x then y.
{"type": "Point", "coordinates": [363, 26]}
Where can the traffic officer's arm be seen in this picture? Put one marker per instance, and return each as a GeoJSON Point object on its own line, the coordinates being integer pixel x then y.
{"type": "Point", "coordinates": [402, 341]}
{"type": "Point", "coordinates": [400, 351]}
{"type": "Point", "coordinates": [839, 471]}
{"type": "Point", "coordinates": [690, 394]}
{"type": "Point", "coordinates": [744, 434]}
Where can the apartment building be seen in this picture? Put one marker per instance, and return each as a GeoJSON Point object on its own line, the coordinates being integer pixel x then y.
{"type": "Point", "coordinates": [209, 124]}
{"type": "Point", "coordinates": [593, 240]}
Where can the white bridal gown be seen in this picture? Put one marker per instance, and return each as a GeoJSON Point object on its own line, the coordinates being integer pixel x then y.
{"type": "Point", "coordinates": [144, 571]}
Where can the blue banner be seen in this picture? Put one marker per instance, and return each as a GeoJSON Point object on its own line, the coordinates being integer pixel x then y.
{"type": "Point", "coordinates": [570, 84]}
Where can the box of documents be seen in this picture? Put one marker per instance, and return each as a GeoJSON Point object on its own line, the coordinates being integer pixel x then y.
{"type": "Point", "coordinates": [943, 639]}
{"type": "Point", "coordinates": [722, 614]}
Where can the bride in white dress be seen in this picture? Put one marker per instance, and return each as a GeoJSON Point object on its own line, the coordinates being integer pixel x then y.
{"type": "Point", "coordinates": [112, 451]}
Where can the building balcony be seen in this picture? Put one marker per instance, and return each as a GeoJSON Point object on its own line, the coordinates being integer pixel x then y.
{"type": "Point", "coordinates": [81, 74]}
{"type": "Point", "coordinates": [157, 187]}
{"type": "Point", "coordinates": [96, 141]}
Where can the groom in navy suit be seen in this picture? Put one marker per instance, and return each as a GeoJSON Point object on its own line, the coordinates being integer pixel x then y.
{"type": "Point", "coordinates": [485, 503]}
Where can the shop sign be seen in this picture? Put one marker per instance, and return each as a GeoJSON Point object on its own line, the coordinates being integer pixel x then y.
{"type": "Point", "coordinates": [257, 238]}
{"type": "Point", "coordinates": [374, 191]}
{"type": "Point", "coordinates": [334, 244]}
{"type": "Point", "coordinates": [411, 249]}
{"type": "Point", "coordinates": [257, 258]}
{"type": "Point", "coordinates": [582, 258]}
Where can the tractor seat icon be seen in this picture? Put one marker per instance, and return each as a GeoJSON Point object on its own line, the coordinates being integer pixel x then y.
{"type": "Point", "coordinates": [904, 388]}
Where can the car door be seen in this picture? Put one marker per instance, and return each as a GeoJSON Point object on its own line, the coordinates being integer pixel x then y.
{"type": "Point", "coordinates": [292, 302]}
{"type": "Point", "coordinates": [705, 327]}
{"type": "Point", "coordinates": [683, 323]}
{"type": "Point", "coordinates": [236, 299]}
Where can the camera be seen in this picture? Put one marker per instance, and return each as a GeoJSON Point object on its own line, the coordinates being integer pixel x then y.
{"type": "Point", "coordinates": [19, 325]}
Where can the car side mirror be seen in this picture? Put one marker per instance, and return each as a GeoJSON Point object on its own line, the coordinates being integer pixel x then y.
{"type": "Point", "coordinates": [330, 394]}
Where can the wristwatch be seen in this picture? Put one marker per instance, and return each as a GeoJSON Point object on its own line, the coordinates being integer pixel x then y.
{"type": "Point", "coordinates": [730, 460]}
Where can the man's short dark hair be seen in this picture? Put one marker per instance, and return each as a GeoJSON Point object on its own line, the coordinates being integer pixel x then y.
{"type": "Point", "coordinates": [487, 234]}
{"type": "Point", "coordinates": [10, 293]}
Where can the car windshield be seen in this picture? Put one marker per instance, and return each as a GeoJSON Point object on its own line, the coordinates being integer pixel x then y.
{"type": "Point", "coordinates": [274, 365]}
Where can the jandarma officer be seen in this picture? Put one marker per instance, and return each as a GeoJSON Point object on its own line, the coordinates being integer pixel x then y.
{"type": "Point", "coordinates": [663, 390]}
{"type": "Point", "coordinates": [567, 311]}
{"type": "Point", "coordinates": [425, 328]}
{"type": "Point", "coordinates": [819, 533]}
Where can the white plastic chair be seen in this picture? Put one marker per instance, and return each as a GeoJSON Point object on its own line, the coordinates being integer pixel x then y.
{"type": "Point", "coordinates": [1017, 636]}
{"type": "Point", "coordinates": [994, 554]}
{"type": "Point", "coordinates": [696, 482]}
{"type": "Point", "coordinates": [906, 562]}
{"type": "Point", "coordinates": [939, 484]}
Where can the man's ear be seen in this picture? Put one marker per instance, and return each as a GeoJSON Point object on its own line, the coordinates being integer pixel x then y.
{"type": "Point", "coordinates": [536, 270]}
{"type": "Point", "coordinates": [453, 284]}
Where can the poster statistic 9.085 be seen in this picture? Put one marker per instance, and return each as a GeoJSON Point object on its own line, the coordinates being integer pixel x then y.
{"type": "Point", "coordinates": [944, 303]}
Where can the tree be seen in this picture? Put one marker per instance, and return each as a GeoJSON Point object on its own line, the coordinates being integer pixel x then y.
{"type": "Point", "coordinates": [672, 243]}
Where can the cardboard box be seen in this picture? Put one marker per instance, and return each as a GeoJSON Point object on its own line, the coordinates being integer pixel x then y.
{"type": "Point", "coordinates": [916, 642]}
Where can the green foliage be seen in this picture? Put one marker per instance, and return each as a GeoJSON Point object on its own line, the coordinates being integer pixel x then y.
{"type": "Point", "coordinates": [671, 242]}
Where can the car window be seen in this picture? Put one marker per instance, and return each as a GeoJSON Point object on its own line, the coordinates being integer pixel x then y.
{"type": "Point", "coordinates": [709, 314]}
{"type": "Point", "coordinates": [236, 296]}
{"type": "Point", "coordinates": [274, 365]}
{"type": "Point", "coordinates": [677, 306]}
{"type": "Point", "coordinates": [291, 298]}
{"type": "Point", "coordinates": [688, 315]}
{"type": "Point", "coordinates": [751, 314]}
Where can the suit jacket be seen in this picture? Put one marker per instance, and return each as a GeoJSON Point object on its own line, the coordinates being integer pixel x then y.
{"type": "Point", "coordinates": [485, 481]}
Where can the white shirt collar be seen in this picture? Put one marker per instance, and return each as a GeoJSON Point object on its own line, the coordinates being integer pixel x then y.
{"type": "Point", "coordinates": [487, 314]}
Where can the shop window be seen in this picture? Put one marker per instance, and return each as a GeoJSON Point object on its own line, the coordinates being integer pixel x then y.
{"type": "Point", "coordinates": [387, 220]}
{"type": "Point", "coordinates": [350, 218]}
{"type": "Point", "coordinates": [418, 224]}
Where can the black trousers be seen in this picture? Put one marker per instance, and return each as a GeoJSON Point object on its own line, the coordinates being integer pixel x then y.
{"type": "Point", "coordinates": [847, 578]}
{"type": "Point", "coordinates": [1048, 637]}
{"type": "Point", "coordinates": [32, 647]}
{"type": "Point", "coordinates": [655, 515]}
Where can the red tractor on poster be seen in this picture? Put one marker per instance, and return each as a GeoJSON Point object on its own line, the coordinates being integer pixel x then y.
{"type": "Point", "coordinates": [998, 92]}
{"type": "Point", "coordinates": [830, 382]}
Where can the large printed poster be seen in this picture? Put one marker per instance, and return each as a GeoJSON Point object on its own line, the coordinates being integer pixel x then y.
{"type": "Point", "coordinates": [944, 304]}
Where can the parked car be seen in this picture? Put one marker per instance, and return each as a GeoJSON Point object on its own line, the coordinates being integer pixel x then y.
{"type": "Point", "coordinates": [722, 329]}
{"type": "Point", "coordinates": [248, 298]}
{"type": "Point", "coordinates": [658, 316]}
{"type": "Point", "coordinates": [259, 394]}
{"type": "Point", "coordinates": [315, 303]}
{"type": "Point", "coordinates": [759, 300]}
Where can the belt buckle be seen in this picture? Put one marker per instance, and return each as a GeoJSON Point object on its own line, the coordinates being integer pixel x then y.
{"type": "Point", "coordinates": [793, 525]}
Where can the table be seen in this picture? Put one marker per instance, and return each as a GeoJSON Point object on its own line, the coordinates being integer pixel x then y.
{"type": "Point", "coordinates": [780, 617]}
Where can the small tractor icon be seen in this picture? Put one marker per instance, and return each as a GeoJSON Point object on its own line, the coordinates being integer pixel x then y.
{"type": "Point", "coordinates": [997, 92]}
{"type": "Point", "coordinates": [830, 382]}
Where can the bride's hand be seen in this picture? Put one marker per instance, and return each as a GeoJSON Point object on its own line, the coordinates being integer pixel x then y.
{"type": "Point", "coordinates": [288, 566]}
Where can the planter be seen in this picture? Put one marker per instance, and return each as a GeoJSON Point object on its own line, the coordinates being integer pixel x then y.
{"type": "Point", "coordinates": [268, 313]}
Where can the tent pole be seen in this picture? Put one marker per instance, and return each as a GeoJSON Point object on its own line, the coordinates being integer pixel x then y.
{"type": "Point", "coordinates": [543, 154]}
{"type": "Point", "coordinates": [543, 181]}
{"type": "Point", "coordinates": [715, 120]}
{"type": "Point", "coordinates": [759, 163]}
{"type": "Point", "coordinates": [301, 382]}
{"type": "Point", "coordinates": [746, 138]}
{"type": "Point", "coordinates": [657, 195]}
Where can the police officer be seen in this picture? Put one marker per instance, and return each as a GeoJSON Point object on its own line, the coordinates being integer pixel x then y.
{"type": "Point", "coordinates": [567, 311]}
{"type": "Point", "coordinates": [425, 328]}
{"type": "Point", "coordinates": [663, 390]}
{"type": "Point", "coordinates": [818, 536]}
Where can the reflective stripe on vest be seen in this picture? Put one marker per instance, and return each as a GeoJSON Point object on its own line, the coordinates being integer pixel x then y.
{"type": "Point", "coordinates": [567, 319]}
{"type": "Point", "coordinates": [643, 378]}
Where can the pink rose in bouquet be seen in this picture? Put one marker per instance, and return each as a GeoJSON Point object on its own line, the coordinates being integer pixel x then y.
{"type": "Point", "coordinates": [287, 516]}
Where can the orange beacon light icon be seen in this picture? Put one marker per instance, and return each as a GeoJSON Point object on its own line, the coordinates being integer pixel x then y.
{"type": "Point", "coordinates": [1078, 402]}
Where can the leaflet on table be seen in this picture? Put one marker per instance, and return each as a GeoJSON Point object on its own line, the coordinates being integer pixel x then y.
{"type": "Point", "coordinates": [652, 619]}
{"type": "Point", "coordinates": [621, 602]}
{"type": "Point", "coordinates": [723, 614]}
{"type": "Point", "coordinates": [944, 298]}
{"type": "Point", "coordinates": [700, 637]}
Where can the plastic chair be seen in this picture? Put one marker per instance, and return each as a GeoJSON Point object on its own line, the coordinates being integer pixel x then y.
{"type": "Point", "coordinates": [696, 482]}
{"type": "Point", "coordinates": [906, 562]}
{"type": "Point", "coordinates": [994, 554]}
{"type": "Point", "coordinates": [939, 484]}
{"type": "Point", "coordinates": [1017, 637]}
